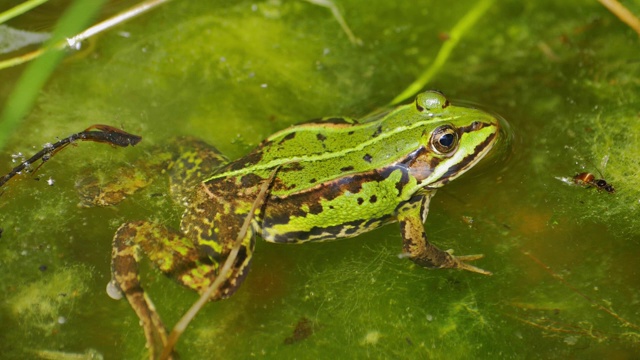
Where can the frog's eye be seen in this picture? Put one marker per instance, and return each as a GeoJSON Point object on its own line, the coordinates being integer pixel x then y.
{"type": "Point", "coordinates": [431, 101]}
{"type": "Point", "coordinates": [444, 140]}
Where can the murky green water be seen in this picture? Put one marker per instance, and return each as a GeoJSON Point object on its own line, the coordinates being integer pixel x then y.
{"type": "Point", "coordinates": [564, 74]}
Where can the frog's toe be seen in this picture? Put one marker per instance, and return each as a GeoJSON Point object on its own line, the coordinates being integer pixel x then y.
{"type": "Point", "coordinates": [460, 262]}
{"type": "Point", "coordinates": [469, 257]}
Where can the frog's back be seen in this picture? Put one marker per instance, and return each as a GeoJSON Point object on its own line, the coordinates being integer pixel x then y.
{"type": "Point", "coordinates": [322, 151]}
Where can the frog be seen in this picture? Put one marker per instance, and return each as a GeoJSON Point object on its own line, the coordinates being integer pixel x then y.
{"type": "Point", "coordinates": [330, 178]}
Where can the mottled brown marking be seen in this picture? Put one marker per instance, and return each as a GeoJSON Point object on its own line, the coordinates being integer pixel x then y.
{"type": "Point", "coordinates": [250, 180]}
{"type": "Point", "coordinates": [315, 209]}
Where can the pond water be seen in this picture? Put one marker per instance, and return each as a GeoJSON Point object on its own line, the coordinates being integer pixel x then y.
{"type": "Point", "coordinates": [565, 284]}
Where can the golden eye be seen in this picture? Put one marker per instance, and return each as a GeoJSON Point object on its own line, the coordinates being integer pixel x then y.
{"type": "Point", "coordinates": [444, 140]}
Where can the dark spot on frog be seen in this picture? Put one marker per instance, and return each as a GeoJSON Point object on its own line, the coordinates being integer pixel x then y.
{"type": "Point", "coordinates": [351, 133]}
{"type": "Point", "coordinates": [351, 230]}
{"type": "Point", "coordinates": [312, 181]}
{"type": "Point", "coordinates": [315, 209]}
{"type": "Point", "coordinates": [321, 137]}
{"type": "Point", "coordinates": [293, 166]}
{"type": "Point", "coordinates": [252, 158]}
{"type": "Point", "coordinates": [367, 158]}
{"type": "Point", "coordinates": [333, 120]}
{"type": "Point", "coordinates": [250, 180]}
{"type": "Point", "coordinates": [399, 186]}
{"type": "Point", "coordinates": [378, 131]}
{"type": "Point", "coordinates": [373, 199]}
{"type": "Point", "coordinates": [288, 137]}
{"type": "Point", "coordinates": [360, 201]}
{"type": "Point", "coordinates": [303, 329]}
{"type": "Point", "coordinates": [346, 168]}
{"type": "Point", "coordinates": [42, 268]}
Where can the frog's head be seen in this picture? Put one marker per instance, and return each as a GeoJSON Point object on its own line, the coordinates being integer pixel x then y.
{"type": "Point", "coordinates": [453, 140]}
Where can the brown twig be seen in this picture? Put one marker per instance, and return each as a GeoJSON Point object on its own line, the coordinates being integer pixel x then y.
{"type": "Point", "coordinates": [622, 13]}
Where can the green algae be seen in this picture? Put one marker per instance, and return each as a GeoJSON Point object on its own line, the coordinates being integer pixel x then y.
{"type": "Point", "coordinates": [564, 257]}
{"type": "Point", "coordinates": [45, 304]}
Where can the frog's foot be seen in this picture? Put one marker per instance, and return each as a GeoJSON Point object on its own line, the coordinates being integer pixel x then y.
{"type": "Point", "coordinates": [459, 262]}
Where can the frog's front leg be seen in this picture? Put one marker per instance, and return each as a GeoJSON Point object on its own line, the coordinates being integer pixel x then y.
{"type": "Point", "coordinates": [411, 216]}
{"type": "Point", "coordinates": [193, 265]}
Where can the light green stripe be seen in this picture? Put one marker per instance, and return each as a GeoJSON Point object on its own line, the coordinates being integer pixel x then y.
{"type": "Point", "coordinates": [279, 162]}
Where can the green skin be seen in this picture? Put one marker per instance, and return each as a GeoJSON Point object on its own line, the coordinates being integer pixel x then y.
{"type": "Point", "coordinates": [335, 178]}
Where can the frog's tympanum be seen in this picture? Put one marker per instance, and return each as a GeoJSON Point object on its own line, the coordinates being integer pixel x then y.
{"type": "Point", "coordinates": [335, 178]}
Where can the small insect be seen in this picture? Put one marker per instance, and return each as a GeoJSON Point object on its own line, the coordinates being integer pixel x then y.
{"type": "Point", "coordinates": [588, 179]}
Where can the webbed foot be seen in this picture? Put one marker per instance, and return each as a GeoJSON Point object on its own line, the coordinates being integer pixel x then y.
{"type": "Point", "coordinates": [460, 262]}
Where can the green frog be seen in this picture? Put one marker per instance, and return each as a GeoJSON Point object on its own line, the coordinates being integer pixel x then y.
{"type": "Point", "coordinates": [334, 178]}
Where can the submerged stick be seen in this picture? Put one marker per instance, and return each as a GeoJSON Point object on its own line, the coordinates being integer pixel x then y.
{"type": "Point", "coordinates": [98, 133]}
{"type": "Point", "coordinates": [622, 13]}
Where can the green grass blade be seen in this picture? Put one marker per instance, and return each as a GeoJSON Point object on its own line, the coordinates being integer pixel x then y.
{"type": "Point", "coordinates": [24, 95]}
{"type": "Point", "coordinates": [20, 9]}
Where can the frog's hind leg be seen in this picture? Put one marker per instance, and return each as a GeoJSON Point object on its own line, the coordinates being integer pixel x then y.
{"type": "Point", "coordinates": [175, 255]}
{"type": "Point", "coordinates": [170, 251]}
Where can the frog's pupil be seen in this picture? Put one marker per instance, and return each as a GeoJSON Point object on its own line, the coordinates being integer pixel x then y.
{"type": "Point", "coordinates": [446, 140]}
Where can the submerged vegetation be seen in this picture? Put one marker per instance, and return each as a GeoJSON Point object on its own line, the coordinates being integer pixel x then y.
{"type": "Point", "coordinates": [564, 257]}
